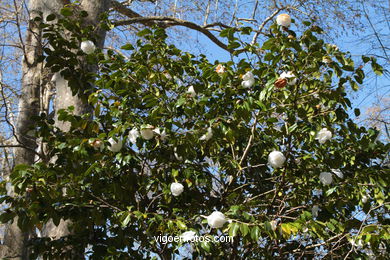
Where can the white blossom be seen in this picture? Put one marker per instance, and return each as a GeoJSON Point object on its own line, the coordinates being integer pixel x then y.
{"type": "Point", "coordinates": [115, 146]}
{"type": "Point", "coordinates": [163, 134]}
{"type": "Point", "coordinates": [291, 78]}
{"type": "Point", "coordinates": [248, 80]}
{"type": "Point", "coordinates": [207, 136]}
{"type": "Point", "coordinates": [276, 159]}
{"type": "Point", "coordinates": [133, 135]}
{"type": "Point", "coordinates": [364, 199]}
{"type": "Point", "coordinates": [326, 178]}
{"type": "Point", "coordinates": [191, 91]}
{"type": "Point", "coordinates": [338, 173]}
{"type": "Point", "coordinates": [216, 219]}
{"type": "Point", "coordinates": [283, 20]}
{"type": "Point", "coordinates": [147, 132]}
{"type": "Point", "coordinates": [274, 224]}
{"type": "Point", "coordinates": [88, 47]}
{"type": "Point", "coordinates": [176, 189]}
{"type": "Point", "coordinates": [188, 236]}
{"type": "Point", "coordinates": [323, 135]}
{"type": "Point", "coordinates": [220, 69]}
{"type": "Point", "coordinates": [314, 211]}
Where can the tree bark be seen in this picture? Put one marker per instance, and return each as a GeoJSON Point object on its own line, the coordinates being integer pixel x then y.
{"type": "Point", "coordinates": [64, 98]}
{"type": "Point", "coordinates": [14, 244]}
{"type": "Point", "coordinates": [15, 240]}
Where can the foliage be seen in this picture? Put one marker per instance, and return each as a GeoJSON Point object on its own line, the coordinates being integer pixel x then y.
{"type": "Point", "coordinates": [119, 201]}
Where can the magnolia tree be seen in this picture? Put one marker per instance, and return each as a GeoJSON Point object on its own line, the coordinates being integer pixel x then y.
{"type": "Point", "coordinates": [260, 148]}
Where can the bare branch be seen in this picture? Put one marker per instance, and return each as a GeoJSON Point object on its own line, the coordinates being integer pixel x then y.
{"type": "Point", "coordinates": [171, 21]}
{"type": "Point", "coordinates": [261, 27]}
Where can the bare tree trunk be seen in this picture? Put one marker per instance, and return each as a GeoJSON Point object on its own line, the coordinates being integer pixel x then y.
{"type": "Point", "coordinates": [15, 241]}
{"type": "Point", "coordinates": [64, 99]}
{"type": "Point", "coordinates": [14, 244]}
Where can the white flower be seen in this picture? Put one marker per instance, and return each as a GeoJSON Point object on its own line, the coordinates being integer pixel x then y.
{"type": "Point", "coordinates": [188, 236]}
{"type": "Point", "coordinates": [291, 78]}
{"type": "Point", "coordinates": [147, 132]}
{"type": "Point", "coordinates": [273, 224]}
{"type": "Point", "coordinates": [326, 178]}
{"type": "Point", "coordinates": [334, 46]}
{"type": "Point", "coordinates": [216, 219]}
{"type": "Point", "coordinates": [191, 91]}
{"type": "Point", "coordinates": [176, 189]}
{"type": "Point", "coordinates": [179, 158]}
{"type": "Point", "coordinates": [162, 134]}
{"type": "Point", "coordinates": [338, 173]}
{"type": "Point", "coordinates": [248, 80]}
{"type": "Point", "coordinates": [207, 136]}
{"type": "Point", "coordinates": [88, 47]}
{"type": "Point", "coordinates": [115, 146]}
{"type": "Point", "coordinates": [314, 211]}
{"type": "Point", "coordinates": [133, 135]}
{"type": "Point", "coordinates": [283, 20]}
{"type": "Point", "coordinates": [276, 159]}
{"type": "Point", "coordinates": [364, 199]}
{"type": "Point", "coordinates": [220, 69]}
{"type": "Point", "coordinates": [323, 135]}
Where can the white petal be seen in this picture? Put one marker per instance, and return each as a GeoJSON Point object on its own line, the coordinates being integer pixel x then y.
{"type": "Point", "coordinates": [276, 159]}
{"type": "Point", "coordinates": [338, 173]}
{"type": "Point", "coordinates": [283, 20]}
{"type": "Point", "coordinates": [176, 189]}
{"type": "Point", "coordinates": [88, 47]}
{"type": "Point", "coordinates": [326, 178]}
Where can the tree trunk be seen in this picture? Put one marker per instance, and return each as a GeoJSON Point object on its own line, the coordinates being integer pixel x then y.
{"type": "Point", "coordinates": [64, 99]}
{"type": "Point", "coordinates": [14, 244]}
{"type": "Point", "coordinates": [15, 241]}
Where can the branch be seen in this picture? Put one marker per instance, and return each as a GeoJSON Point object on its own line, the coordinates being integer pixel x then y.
{"type": "Point", "coordinates": [261, 27]}
{"type": "Point", "coordinates": [170, 21]}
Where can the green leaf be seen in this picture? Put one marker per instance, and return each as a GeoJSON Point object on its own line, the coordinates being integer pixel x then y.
{"type": "Point", "coordinates": [66, 11]}
{"type": "Point", "coordinates": [206, 246]}
{"type": "Point", "coordinates": [378, 69]}
{"type": "Point", "coordinates": [127, 47]}
{"type": "Point", "coordinates": [267, 45]}
{"type": "Point", "coordinates": [180, 224]}
{"type": "Point", "coordinates": [357, 111]}
{"type": "Point", "coordinates": [255, 233]}
{"type": "Point", "coordinates": [244, 229]}
{"type": "Point", "coordinates": [233, 230]}
{"type": "Point", "coordinates": [365, 59]}
{"type": "Point", "coordinates": [51, 17]}
{"type": "Point", "coordinates": [126, 220]}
